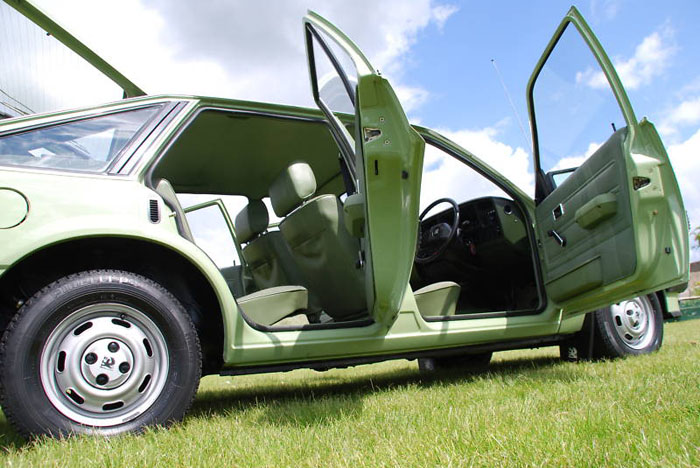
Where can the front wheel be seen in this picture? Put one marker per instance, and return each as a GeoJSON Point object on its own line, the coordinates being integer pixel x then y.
{"type": "Point", "coordinates": [635, 326]}
{"type": "Point", "coordinates": [631, 327]}
{"type": "Point", "coordinates": [102, 352]}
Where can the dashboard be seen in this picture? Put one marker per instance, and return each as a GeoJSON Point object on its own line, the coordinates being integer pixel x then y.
{"type": "Point", "coordinates": [491, 233]}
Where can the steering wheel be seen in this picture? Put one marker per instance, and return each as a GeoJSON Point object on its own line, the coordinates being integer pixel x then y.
{"type": "Point", "coordinates": [432, 243]}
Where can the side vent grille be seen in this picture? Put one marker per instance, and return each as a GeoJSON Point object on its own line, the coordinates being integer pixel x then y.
{"type": "Point", "coordinates": [154, 211]}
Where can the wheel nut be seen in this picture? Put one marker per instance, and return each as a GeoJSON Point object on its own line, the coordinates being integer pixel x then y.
{"type": "Point", "coordinates": [91, 358]}
{"type": "Point", "coordinates": [102, 379]}
{"type": "Point", "coordinates": [113, 347]}
{"type": "Point", "coordinates": [124, 367]}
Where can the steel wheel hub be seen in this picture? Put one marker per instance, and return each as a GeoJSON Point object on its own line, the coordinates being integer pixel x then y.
{"type": "Point", "coordinates": [107, 363]}
{"type": "Point", "coordinates": [634, 322]}
{"type": "Point", "coordinates": [104, 364]}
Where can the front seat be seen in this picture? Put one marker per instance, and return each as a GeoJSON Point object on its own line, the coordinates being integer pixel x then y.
{"type": "Point", "coordinates": [324, 251]}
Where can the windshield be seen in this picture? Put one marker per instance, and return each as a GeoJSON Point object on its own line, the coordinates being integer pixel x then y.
{"type": "Point", "coordinates": [85, 145]}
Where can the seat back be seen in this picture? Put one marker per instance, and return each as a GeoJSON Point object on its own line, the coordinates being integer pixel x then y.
{"type": "Point", "coordinates": [325, 252]}
{"type": "Point", "coordinates": [167, 193]}
{"type": "Point", "coordinates": [266, 253]}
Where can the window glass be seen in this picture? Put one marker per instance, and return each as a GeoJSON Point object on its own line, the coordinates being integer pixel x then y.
{"type": "Point", "coordinates": [558, 177]}
{"type": "Point", "coordinates": [88, 145]}
{"type": "Point", "coordinates": [445, 176]}
{"type": "Point", "coordinates": [332, 89]}
{"type": "Point", "coordinates": [575, 109]}
{"type": "Point", "coordinates": [337, 86]}
{"type": "Point", "coordinates": [39, 74]}
{"type": "Point", "coordinates": [210, 230]}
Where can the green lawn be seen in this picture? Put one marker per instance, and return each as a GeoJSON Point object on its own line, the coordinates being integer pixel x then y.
{"type": "Point", "coordinates": [690, 309]}
{"type": "Point", "coordinates": [528, 410]}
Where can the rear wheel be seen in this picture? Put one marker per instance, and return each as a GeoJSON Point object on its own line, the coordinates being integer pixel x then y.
{"type": "Point", "coordinates": [101, 352]}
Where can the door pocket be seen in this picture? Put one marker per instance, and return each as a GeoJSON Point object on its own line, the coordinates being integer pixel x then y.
{"type": "Point", "coordinates": [582, 278]}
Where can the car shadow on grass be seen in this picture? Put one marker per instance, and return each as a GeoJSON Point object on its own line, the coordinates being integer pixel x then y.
{"type": "Point", "coordinates": [318, 401]}
{"type": "Point", "coordinates": [9, 438]}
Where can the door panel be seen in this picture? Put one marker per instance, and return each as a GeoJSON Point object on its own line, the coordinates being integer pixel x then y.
{"type": "Point", "coordinates": [385, 158]}
{"type": "Point", "coordinates": [592, 255]}
{"type": "Point", "coordinates": [615, 227]}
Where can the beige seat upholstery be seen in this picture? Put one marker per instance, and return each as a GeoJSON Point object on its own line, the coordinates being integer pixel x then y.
{"type": "Point", "coordinates": [270, 306]}
{"type": "Point", "coordinates": [324, 251]}
{"type": "Point", "coordinates": [437, 299]}
{"type": "Point", "coordinates": [266, 253]}
{"type": "Point", "coordinates": [166, 191]}
{"type": "Point", "coordinates": [281, 294]}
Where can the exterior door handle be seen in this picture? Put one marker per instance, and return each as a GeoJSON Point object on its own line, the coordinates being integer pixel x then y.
{"type": "Point", "coordinates": [561, 240]}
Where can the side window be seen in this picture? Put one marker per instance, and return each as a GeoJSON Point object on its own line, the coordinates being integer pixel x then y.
{"type": "Point", "coordinates": [445, 176]}
{"type": "Point", "coordinates": [575, 109]}
{"type": "Point", "coordinates": [210, 229]}
{"type": "Point", "coordinates": [334, 85]}
{"type": "Point", "coordinates": [88, 145]}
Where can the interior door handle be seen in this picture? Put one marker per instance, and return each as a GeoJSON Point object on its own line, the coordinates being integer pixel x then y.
{"type": "Point", "coordinates": [561, 240]}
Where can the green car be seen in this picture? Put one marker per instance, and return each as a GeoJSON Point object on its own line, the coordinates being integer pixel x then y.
{"type": "Point", "coordinates": [113, 307]}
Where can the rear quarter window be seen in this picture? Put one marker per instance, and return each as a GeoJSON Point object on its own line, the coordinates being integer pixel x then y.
{"type": "Point", "coordinates": [88, 145]}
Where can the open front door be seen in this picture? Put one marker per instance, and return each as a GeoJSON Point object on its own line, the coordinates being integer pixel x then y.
{"type": "Point", "coordinates": [383, 159]}
{"type": "Point", "coordinates": [616, 227]}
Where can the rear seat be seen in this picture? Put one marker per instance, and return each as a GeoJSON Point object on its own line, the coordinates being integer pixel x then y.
{"type": "Point", "coordinates": [274, 271]}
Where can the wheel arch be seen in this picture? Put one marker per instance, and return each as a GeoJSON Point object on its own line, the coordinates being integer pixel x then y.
{"type": "Point", "coordinates": [161, 263]}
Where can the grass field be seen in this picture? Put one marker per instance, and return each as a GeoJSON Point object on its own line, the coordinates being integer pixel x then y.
{"type": "Point", "coordinates": [529, 409]}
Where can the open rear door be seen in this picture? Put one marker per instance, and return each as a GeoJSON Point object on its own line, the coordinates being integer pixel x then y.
{"type": "Point", "coordinates": [42, 20]}
{"type": "Point", "coordinates": [616, 227]}
{"type": "Point", "coordinates": [383, 158]}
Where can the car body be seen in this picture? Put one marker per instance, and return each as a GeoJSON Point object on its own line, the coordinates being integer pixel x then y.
{"type": "Point", "coordinates": [614, 230]}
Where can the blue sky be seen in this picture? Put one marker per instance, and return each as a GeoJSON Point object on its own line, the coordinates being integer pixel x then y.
{"type": "Point", "coordinates": [436, 53]}
{"type": "Point", "coordinates": [455, 63]}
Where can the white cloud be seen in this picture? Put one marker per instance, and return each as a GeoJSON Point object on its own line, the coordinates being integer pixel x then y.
{"type": "Point", "coordinates": [686, 164]}
{"type": "Point", "coordinates": [651, 59]}
{"type": "Point", "coordinates": [441, 13]}
{"type": "Point", "coordinates": [411, 97]}
{"type": "Point", "coordinates": [687, 113]}
{"type": "Point", "coordinates": [242, 49]}
{"type": "Point", "coordinates": [569, 162]}
{"type": "Point", "coordinates": [604, 10]}
{"type": "Point", "coordinates": [446, 177]}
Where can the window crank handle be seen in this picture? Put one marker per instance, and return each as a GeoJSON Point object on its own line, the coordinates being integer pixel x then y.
{"type": "Point", "coordinates": [561, 240]}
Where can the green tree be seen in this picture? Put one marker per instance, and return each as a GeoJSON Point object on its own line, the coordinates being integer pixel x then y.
{"type": "Point", "coordinates": [695, 235]}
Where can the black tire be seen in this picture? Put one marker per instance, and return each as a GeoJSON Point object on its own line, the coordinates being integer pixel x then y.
{"type": "Point", "coordinates": [628, 328]}
{"type": "Point", "coordinates": [125, 328]}
{"type": "Point", "coordinates": [466, 363]}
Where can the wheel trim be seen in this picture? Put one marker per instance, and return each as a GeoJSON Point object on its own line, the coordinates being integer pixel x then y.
{"type": "Point", "coordinates": [634, 323]}
{"type": "Point", "coordinates": [93, 390]}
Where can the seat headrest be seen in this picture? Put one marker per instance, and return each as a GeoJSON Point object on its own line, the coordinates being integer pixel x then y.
{"type": "Point", "coordinates": [290, 188]}
{"type": "Point", "coordinates": [251, 221]}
